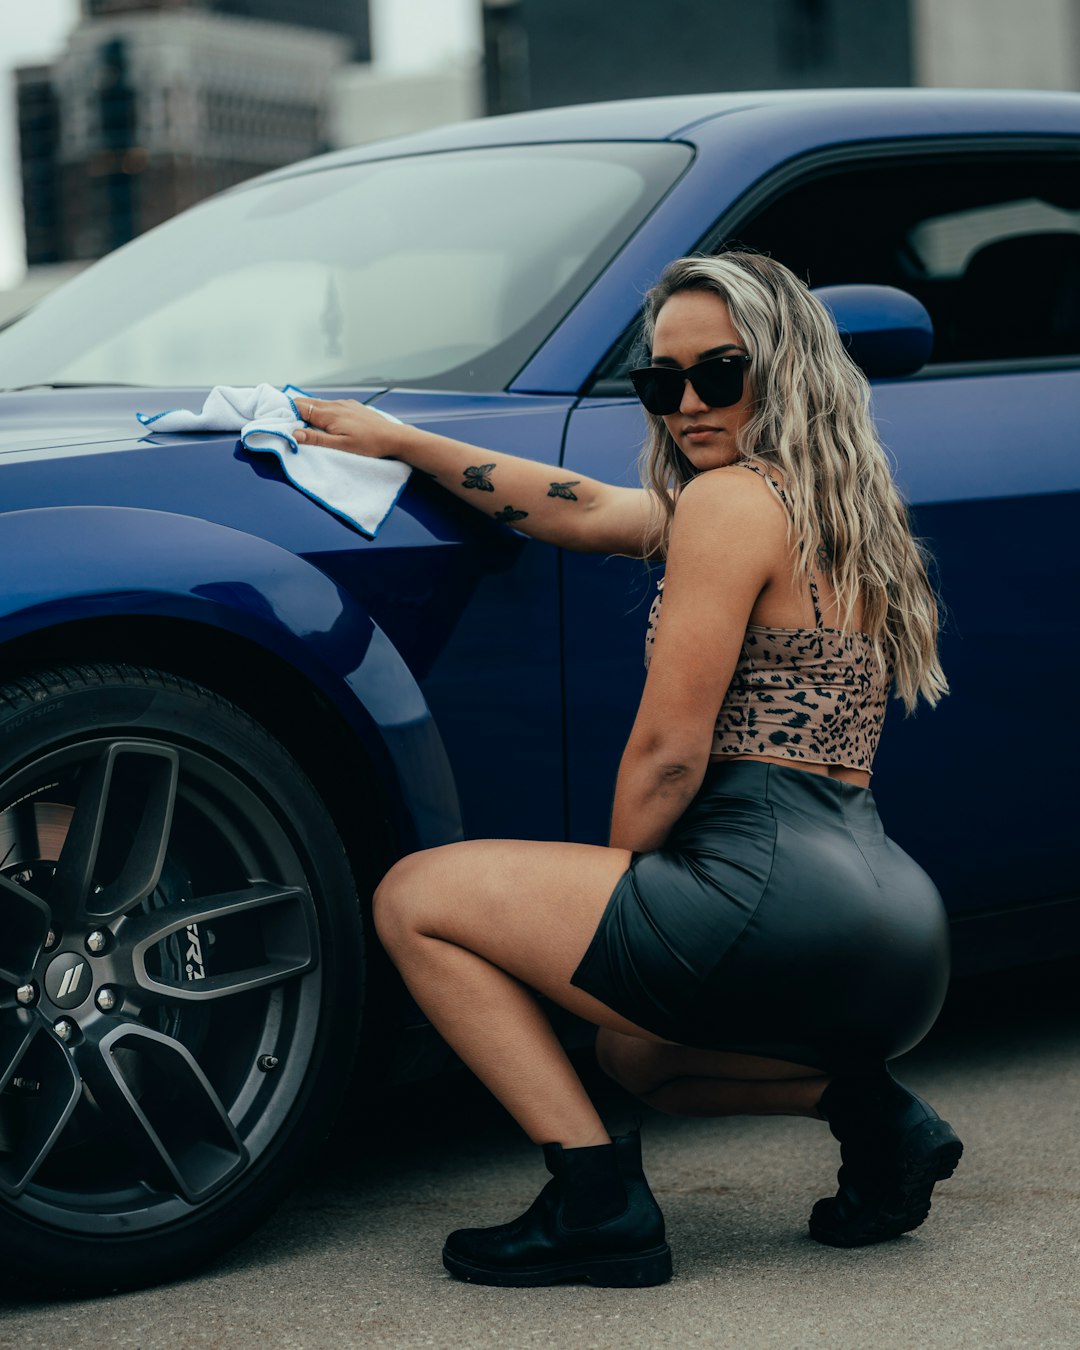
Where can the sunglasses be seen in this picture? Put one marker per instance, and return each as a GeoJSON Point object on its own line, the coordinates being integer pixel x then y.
{"type": "Point", "coordinates": [717, 382]}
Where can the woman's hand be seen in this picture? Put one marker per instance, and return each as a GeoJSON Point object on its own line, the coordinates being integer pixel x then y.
{"type": "Point", "coordinates": [344, 424]}
{"type": "Point", "coordinates": [537, 499]}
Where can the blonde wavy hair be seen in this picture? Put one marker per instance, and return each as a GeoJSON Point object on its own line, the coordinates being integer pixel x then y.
{"type": "Point", "coordinates": [811, 419]}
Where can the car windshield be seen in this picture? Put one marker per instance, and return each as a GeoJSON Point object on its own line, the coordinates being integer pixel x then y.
{"type": "Point", "coordinates": [444, 270]}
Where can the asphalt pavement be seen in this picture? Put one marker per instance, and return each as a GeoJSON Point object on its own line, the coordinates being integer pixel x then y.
{"type": "Point", "coordinates": [353, 1258]}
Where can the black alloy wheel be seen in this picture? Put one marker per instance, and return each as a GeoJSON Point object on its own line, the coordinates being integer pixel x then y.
{"type": "Point", "coordinates": [181, 976]}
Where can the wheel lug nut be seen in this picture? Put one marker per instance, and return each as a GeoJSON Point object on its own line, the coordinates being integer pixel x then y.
{"type": "Point", "coordinates": [51, 939]}
{"type": "Point", "coordinates": [106, 999]}
{"type": "Point", "coordinates": [26, 994]}
{"type": "Point", "coordinates": [64, 1028]}
{"type": "Point", "coordinates": [96, 941]}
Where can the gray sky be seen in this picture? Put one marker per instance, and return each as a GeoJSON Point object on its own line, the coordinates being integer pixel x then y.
{"type": "Point", "coordinates": [407, 35]}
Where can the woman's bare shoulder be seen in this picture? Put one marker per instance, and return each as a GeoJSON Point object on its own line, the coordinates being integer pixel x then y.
{"type": "Point", "coordinates": [723, 509]}
{"type": "Point", "coordinates": [731, 487]}
{"type": "Point", "coordinates": [724, 531]}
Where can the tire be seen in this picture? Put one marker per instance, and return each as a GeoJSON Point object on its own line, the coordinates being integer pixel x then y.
{"type": "Point", "coordinates": [181, 977]}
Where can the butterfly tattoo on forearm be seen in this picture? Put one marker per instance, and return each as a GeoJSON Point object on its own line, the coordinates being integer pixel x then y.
{"type": "Point", "coordinates": [476, 476]}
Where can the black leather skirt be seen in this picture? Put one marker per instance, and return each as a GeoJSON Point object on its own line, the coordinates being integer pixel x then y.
{"type": "Point", "coordinates": [777, 919]}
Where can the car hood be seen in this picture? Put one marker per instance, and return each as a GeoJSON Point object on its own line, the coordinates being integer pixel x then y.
{"type": "Point", "coordinates": [54, 418]}
{"type": "Point", "coordinates": [62, 422]}
{"type": "Point", "coordinates": [62, 419]}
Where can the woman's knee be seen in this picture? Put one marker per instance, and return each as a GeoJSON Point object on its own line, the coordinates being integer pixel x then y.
{"type": "Point", "coordinates": [394, 903]}
{"type": "Point", "coordinates": [629, 1060]}
{"type": "Point", "coordinates": [607, 1052]}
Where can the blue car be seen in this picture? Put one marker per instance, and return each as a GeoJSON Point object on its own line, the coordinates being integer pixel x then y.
{"type": "Point", "coordinates": [224, 712]}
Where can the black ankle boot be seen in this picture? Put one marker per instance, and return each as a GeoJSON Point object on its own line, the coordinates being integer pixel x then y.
{"type": "Point", "coordinates": [894, 1147]}
{"type": "Point", "coordinates": [595, 1222]}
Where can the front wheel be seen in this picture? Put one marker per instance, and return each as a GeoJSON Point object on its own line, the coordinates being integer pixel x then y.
{"type": "Point", "coordinates": [181, 976]}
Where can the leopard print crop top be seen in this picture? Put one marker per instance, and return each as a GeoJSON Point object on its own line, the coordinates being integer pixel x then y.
{"type": "Point", "coordinates": [816, 694]}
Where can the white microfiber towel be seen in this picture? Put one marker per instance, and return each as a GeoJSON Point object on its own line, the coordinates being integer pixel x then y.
{"type": "Point", "coordinates": [360, 489]}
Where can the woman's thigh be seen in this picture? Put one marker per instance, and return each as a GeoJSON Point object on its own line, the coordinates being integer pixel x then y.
{"type": "Point", "coordinates": [527, 906]}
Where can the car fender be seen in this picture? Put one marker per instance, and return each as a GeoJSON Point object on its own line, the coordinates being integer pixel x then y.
{"type": "Point", "coordinates": [63, 564]}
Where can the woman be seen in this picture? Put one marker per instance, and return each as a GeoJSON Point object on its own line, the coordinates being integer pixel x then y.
{"type": "Point", "coordinates": [751, 941]}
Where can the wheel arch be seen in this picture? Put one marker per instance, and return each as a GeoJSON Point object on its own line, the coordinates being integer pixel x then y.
{"type": "Point", "coordinates": [291, 708]}
{"type": "Point", "coordinates": [250, 620]}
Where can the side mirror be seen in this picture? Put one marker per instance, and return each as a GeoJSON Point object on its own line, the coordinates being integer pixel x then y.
{"type": "Point", "coordinates": [886, 331]}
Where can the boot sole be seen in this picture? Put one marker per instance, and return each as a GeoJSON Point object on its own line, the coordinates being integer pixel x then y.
{"type": "Point", "coordinates": [929, 1154]}
{"type": "Point", "coordinates": [609, 1272]}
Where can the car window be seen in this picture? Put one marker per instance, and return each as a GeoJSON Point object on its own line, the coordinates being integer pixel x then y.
{"type": "Point", "coordinates": [444, 271]}
{"type": "Point", "coordinates": [944, 245]}
{"type": "Point", "coordinates": [989, 242]}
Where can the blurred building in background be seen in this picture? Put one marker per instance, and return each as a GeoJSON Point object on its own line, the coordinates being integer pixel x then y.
{"type": "Point", "coordinates": [156, 104]}
{"type": "Point", "coordinates": [997, 44]}
{"type": "Point", "coordinates": [425, 71]}
{"type": "Point", "coordinates": [349, 18]}
{"type": "Point", "coordinates": [541, 53]}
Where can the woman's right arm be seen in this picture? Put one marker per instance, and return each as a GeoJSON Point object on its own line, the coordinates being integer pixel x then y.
{"type": "Point", "coordinates": [572, 510]}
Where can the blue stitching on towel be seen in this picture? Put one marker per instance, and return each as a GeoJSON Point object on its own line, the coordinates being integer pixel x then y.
{"type": "Point", "coordinates": [335, 510]}
{"type": "Point", "coordinates": [146, 419]}
{"type": "Point", "coordinates": [269, 431]}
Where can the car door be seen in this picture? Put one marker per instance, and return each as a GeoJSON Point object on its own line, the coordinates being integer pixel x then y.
{"type": "Point", "coordinates": [472, 604]}
{"type": "Point", "coordinates": [986, 232]}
